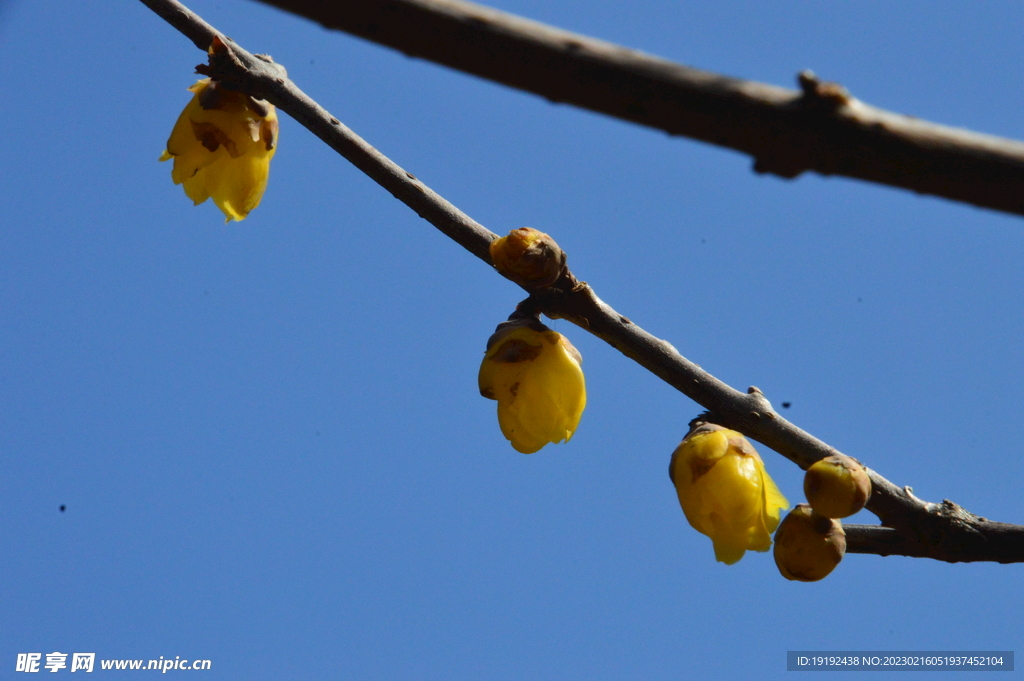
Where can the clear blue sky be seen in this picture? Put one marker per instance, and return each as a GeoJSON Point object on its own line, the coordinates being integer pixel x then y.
{"type": "Point", "coordinates": [268, 436]}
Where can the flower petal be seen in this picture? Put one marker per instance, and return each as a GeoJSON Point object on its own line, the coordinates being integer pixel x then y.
{"type": "Point", "coordinates": [538, 383]}
{"type": "Point", "coordinates": [725, 492]}
{"type": "Point", "coordinates": [236, 185]}
{"type": "Point", "coordinates": [222, 149]}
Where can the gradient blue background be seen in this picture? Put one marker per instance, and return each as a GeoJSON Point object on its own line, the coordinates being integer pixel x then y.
{"type": "Point", "coordinates": [268, 434]}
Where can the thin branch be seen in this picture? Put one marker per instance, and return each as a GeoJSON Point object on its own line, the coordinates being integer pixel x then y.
{"type": "Point", "coordinates": [821, 128]}
{"type": "Point", "coordinates": [185, 20]}
{"type": "Point", "coordinates": [925, 528]}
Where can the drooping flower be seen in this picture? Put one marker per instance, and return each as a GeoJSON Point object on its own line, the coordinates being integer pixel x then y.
{"type": "Point", "coordinates": [725, 491]}
{"type": "Point", "coordinates": [222, 144]}
{"type": "Point", "coordinates": [534, 373]}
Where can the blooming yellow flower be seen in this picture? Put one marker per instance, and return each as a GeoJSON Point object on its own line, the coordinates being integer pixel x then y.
{"type": "Point", "coordinates": [534, 373]}
{"type": "Point", "coordinates": [725, 491]}
{"type": "Point", "coordinates": [222, 145]}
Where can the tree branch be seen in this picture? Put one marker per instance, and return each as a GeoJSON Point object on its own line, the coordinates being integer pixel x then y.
{"type": "Point", "coordinates": [944, 532]}
{"type": "Point", "coordinates": [821, 128]}
{"type": "Point", "coordinates": [950, 541]}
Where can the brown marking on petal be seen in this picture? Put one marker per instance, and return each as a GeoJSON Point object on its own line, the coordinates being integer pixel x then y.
{"type": "Point", "coordinates": [268, 131]}
{"type": "Point", "coordinates": [515, 350]}
{"type": "Point", "coordinates": [699, 426]}
{"type": "Point", "coordinates": [488, 393]}
{"type": "Point", "coordinates": [209, 140]}
{"type": "Point", "coordinates": [260, 107]}
{"type": "Point", "coordinates": [742, 446]}
{"type": "Point", "coordinates": [211, 96]}
{"type": "Point", "coordinates": [516, 321]}
{"type": "Point", "coordinates": [699, 467]}
{"type": "Point", "coordinates": [514, 389]}
{"type": "Point", "coordinates": [212, 137]}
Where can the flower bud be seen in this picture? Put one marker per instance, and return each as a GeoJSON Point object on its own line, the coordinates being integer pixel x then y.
{"type": "Point", "coordinates": [528, 257]}
{"type": "Point", "coordinates": [808, 546]}
{"type": "Point", "coordinates": [725, 491]}
{"type": "Point", "coordinates": [837, 486]}
{"type": "Point", "coordinates": [534, 373]}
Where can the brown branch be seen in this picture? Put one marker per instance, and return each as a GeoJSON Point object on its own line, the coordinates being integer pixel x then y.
{"type": "Point", "coordinates": [787, 132]}
{"type": "Point", "coordinates": [950, 541]}
{"type": "Point", "coordinates": [933, 534]}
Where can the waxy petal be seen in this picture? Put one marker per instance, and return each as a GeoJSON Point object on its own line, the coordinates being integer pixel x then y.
{"type": "Point", "coordinates": [222, 144]}
{"type": "Point", "coordinates": [725, 492]}
{"type": "Point", "coordinates": [536, 378]}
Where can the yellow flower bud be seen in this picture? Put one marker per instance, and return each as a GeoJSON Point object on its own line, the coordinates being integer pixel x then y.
{"type": "Point", "coordinates": [837, 486]}
{"type": "Point", "coordinates": [534, 373]}
{"type": "Point", "coordinates": [725, 491]}
{"type": "Point", "coordinates": [808, 546]}
{"type": "Point", "coordinates": [528, 257]}
{"type": "Point", "coordinates": [222, 144]}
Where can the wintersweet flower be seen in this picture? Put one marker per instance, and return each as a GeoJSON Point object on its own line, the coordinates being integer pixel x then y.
{"type": "Point", "coordinates": [725, 492]}
{"type": "Point", "coordinates": [222, 145]}
{"type": "Point", "coordinates": [534, 373]}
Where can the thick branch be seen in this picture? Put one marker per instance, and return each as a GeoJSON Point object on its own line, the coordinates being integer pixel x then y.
{"type": "Point", "coordinates": [936, 534]}
{"type": "Point", "coordinates": [981, 540]}
{"type": "Point", "coordinates": [787, 132]}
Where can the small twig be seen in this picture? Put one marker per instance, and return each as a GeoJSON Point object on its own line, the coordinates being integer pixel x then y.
{"type": "Point", "coordinates": [787, 132]}
{"type": "Point", "coordinates": [935, 535]}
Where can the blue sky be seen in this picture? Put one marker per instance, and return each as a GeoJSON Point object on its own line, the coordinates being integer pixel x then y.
{"type": "Point", "coordinates": [268, 437]}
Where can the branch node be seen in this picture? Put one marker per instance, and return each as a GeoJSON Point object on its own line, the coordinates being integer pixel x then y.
{"type": "Point", "coordinates": [821, 93]}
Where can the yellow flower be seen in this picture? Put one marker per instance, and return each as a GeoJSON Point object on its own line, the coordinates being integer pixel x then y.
{"type": "Point", "coordinates": [222, 145]}
{"type": "Point", "coordinates": [725, 491]}
{"type": "Point", "coordinates": [534, 373]}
